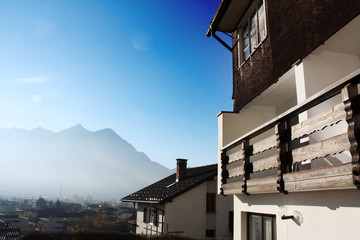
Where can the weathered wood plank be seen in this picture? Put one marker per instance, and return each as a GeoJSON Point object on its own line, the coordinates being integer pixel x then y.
{"type": "Point", "coordinates": [319, 172]}
{"type": "Point", "coordinates": [321, 149]}
{"type": "Point", "coordinates": [262, 185]}
{"type": "Point", "coordinates": [232, 188]}
{"type": "Point", "coordinates": [319, 122]}
{"type": "Point", "coordinates": [236, 171]}
{"type": "Point", "coordinates": [265, 164]}
{"type": "Point", "coordinates": [334, 177]}
{"type": "Point", "coordinates": [254, 186]}
{"type": "Point", "coordinates": [236, 156]}
{"type": "Point", "coordinates": [265, 144]}
{"type": "Point", "coordinates": [325, 183]}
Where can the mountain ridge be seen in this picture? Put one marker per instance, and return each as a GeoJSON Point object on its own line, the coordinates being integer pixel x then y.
{"type": "Point", "coordinates": [79, 161]}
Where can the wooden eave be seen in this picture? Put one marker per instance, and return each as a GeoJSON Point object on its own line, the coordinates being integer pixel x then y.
{"type": "Point", "coordinates": [228, 16]}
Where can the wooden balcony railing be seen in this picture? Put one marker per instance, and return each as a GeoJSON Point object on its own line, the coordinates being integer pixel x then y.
{"type": "Point", "coordinates": [238, 169]}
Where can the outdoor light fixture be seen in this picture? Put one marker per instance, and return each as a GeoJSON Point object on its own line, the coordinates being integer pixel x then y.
{"type": "Point", "coordinates": [283, 217]}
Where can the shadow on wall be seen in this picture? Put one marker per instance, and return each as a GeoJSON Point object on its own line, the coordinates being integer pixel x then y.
{"type": "Point", "coordinates": [333, 199]}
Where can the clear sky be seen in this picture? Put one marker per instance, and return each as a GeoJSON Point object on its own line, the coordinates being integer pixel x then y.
{"type": "Point", "coordinates": [143, 68]}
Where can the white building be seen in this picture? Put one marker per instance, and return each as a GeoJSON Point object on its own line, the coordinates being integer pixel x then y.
{"type": "Point", "coordinates": [289, 150]}
{"type": "Point", "coordinates": [58, 224]}
{"type": "Point", "coordinates": [184, 204]}
{"type": "Point", "coordinates": [16, 221]}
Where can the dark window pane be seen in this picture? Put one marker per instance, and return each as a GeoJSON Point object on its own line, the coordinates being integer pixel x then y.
{"type": "Point", "coordinates": [210, 233]}
{"type": "Point", "coordinates": [255, 227]}
{"type": "Point", "coordinates": [267, 228]}
{"type": "Point", "coordinates": [246, 36]}
{"type": "Point", "coordinates": [210, 202]}
{"type": "Point", "coordinates": [253, 33]}
{"type": "Point", "coordinates": [262, 22]}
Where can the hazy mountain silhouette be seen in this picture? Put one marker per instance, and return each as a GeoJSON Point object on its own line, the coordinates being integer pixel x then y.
{"type": "Point", "coordinates": [73, 161]}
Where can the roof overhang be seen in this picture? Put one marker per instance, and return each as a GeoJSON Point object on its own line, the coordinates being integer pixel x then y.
{"type": "Point", "coordinates": [227, 16]}
{"type": "Point", "coordinates": [139, 201]}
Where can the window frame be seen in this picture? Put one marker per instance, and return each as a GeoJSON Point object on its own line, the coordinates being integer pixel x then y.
{"type": "Point", "coordinates": [262, 215]}
{"type": "Point", "coordinates": [151, 216]}
{"type": "Point", "coordinates": [210, 233]}
{"type": "Point", "coordinates": [210, 202]}
{"type": "Point", "coordinates": [245, 24]}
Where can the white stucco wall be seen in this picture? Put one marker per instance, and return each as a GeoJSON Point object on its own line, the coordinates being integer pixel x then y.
{"type": "Point", "coordinates": [320, 215]}
{"type": "Point", "coordinates": [187, 213]}
{"type": "Point", "coordinates": [148, 228]}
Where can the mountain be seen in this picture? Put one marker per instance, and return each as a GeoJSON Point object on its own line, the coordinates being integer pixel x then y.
{"type": "Point", "coordinates": [73, 161]}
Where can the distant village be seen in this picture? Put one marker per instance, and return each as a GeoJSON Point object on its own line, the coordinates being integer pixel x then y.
{"type": "Point", "coordinates": [21, 216]}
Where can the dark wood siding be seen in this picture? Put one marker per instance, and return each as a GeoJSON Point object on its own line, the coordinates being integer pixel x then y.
{"type": "Point", "coordinates": [295, 29]}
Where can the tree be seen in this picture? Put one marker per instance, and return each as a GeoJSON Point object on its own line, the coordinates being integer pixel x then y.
{"type": "Point", "coordinates": [40, 203]}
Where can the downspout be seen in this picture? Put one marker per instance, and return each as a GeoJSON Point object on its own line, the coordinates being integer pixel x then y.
{"type": "Point", "coordinates": [163, 215]}
{"type": "Point", "coordinates": [134, 220]}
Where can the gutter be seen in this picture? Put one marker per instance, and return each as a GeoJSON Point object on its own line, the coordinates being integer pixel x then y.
{"type": "Point", "coordinates": [139, 201]}
{"type": "Point", "coordinates": [224, 4]}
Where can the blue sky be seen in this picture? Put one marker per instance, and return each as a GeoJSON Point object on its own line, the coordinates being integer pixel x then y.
{"type": "Point", "coordinates": [143, 68]}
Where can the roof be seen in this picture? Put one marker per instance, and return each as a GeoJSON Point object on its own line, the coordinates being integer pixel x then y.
{"type": "Point", "coordinates": [228, 16]}
{"type": "Point", "coordinates": [167, 189]}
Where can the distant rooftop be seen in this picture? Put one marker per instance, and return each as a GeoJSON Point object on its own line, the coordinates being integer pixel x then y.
{"type": "Point", "coordinates": [167, 189]}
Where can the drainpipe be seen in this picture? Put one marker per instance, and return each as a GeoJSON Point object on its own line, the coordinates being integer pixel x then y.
{"type": "Point", "coordinates": [134, 223]}
{"type": "Point", "coordinates": [163, 215]}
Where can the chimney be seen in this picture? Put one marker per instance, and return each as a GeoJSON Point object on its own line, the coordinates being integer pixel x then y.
{"type": "Point", "coordinates": [180, 169]}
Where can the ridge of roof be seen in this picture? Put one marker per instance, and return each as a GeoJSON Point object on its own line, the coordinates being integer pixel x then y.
{"type": "Point", "coordinates": [167, 188]}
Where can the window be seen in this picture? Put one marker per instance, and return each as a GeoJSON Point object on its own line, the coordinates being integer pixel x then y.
{"type": "Point", "coordinates": [151, 216]}
{"type": "Point", "coordinates": [253, 32]}
{"type": "Point", "coordinates": [210, 202]}
{"type": "Point", "coordinates": [231, 221]}
{"type": "Point", "coordinates": [261, 226]}
{"type": "Point", "coordinates": [210, 233]}
{"type": "Point", "coordinates": [146, 215]}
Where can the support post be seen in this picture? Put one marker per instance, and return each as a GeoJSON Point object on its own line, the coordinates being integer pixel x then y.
{"type": "Point", "coordinates": [246, 165]}
{"type": "Point", "coordinates": [350, 97]}
{"type": "Point", "coordinates": [282, 154]}
{"type": "Point", "coordinates": [224, 171]}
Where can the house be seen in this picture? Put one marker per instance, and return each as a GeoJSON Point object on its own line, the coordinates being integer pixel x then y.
{"type": "Point", "coordinates": [58, 224]}
{"type": "Point", "coordinates": [15, 222]}
{"type": "Point", "coordinates": [185, 204]}
{"type": "Point", "coordinates": [289, 149]}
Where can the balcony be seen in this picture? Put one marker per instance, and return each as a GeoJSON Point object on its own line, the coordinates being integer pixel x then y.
{"type": "Point", "coordinates": [279, 157]}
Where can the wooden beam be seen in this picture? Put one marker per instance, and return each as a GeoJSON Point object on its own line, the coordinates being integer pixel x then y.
{"type": "Point", "coordinates": [224, 173]}
{"type": "Point", "coordinates": [233, 188]}
{"type": "Point", "coordinates": [351, 99]}
{"type": "Point", "coordinates": [321, 149]}
{"type": "Point", "coordinates": [333, 177]}
{"type": "Point", "coordinates": [319, 122]}
{"type": "Point", "coordinates": [262, 185]}
{"type": "Point", "coordinates": [281, 155]}
{"type": "Point", "coordinates": [246, 165]}
{"type": "Point", "coordinates": [327, 178]}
